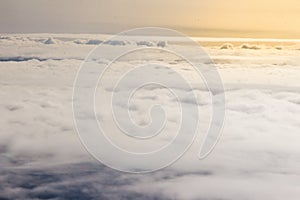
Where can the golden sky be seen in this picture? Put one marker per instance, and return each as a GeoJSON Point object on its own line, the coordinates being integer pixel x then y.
{"type": "Point", "coordinates": [246, 18]}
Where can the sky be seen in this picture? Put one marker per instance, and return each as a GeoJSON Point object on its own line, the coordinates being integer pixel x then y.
{"type": "Point", "coordinates": [244, 18]}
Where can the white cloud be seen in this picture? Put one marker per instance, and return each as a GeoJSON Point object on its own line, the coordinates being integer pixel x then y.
{"type": "Point", "coordinates": [41, 155]}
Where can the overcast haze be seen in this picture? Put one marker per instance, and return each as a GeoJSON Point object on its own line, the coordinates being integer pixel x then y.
{"type": "Point", "coordinates": [264, 18]}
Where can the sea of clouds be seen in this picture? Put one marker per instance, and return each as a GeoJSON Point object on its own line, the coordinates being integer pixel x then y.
{"type": "Point", "coordinates": [41, 156]}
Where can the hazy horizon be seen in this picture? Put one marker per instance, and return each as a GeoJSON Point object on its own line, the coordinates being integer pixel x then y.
{"type": "Point", "coordinates": [214, 33]}
{"type": "Point", "coordinates": [214, 18]}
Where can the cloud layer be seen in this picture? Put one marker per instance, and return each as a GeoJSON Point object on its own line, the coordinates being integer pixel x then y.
{"type": "Point", "coordinates": [42, 157]}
